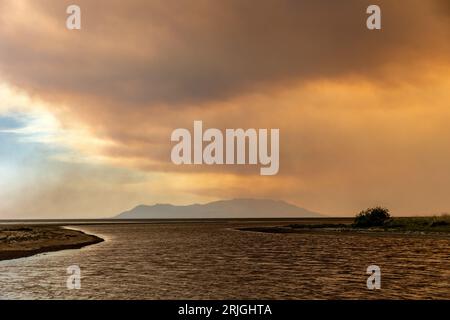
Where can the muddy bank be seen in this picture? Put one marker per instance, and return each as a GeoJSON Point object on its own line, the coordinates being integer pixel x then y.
{"type": "Point", "coordinates": [24, 241]}
{"type": "Point", "coordinates": [345, 231]}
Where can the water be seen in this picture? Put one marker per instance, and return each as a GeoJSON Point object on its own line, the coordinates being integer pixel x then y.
{"type": "Point", "coordinates": [215, 261]}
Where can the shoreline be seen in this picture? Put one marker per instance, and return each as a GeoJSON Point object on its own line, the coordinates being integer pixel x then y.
{"type": "Point", "coordinates": [344, 231]}
{"type": "Point", "coordinates": [434, 226]}
{"type": "Point", "coordinates": [20, 241]}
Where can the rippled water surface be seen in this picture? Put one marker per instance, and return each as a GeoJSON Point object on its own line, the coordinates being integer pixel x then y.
{"type": "Point", "coordinates": [215, 261]}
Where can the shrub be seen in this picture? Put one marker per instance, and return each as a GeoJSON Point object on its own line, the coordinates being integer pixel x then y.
{"type": "Point", "coordinates": [373, 217]}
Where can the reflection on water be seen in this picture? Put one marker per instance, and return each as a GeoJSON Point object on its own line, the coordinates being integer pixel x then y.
{"type": "Point", "coordinates": [214, 261]}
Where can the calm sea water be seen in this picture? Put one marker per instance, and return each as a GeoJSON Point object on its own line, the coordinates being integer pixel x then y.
{"type": "Point", "coordinates": [215, 261]}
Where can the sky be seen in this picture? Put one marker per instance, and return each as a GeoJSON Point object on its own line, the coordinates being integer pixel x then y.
{"type": "Point", "coordinates": [86, 115]}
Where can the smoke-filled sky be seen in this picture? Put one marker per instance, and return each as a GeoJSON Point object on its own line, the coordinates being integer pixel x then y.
{"type": "Point", "coordinates": [86, 115]}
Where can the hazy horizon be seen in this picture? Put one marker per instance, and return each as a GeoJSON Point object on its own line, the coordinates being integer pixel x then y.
{"type": "Point", "coordinates": [254, 213]}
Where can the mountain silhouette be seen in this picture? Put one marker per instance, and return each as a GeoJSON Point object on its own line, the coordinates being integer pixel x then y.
{"type": "Point", "coordinates": [236, 208]}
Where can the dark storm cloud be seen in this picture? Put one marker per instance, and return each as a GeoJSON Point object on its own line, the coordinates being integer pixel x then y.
{"type": "Point", "coordinates": [143, 53]}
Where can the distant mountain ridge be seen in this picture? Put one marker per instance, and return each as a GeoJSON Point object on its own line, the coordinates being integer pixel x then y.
{"type": "Point", "coordinates": [236, 208]}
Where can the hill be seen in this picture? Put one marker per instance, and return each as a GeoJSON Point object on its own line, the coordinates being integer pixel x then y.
{"type": "Point", "coordinates": [236, 208]}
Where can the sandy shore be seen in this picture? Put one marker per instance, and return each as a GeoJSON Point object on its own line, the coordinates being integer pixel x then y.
{"type": "Point", "coordinates": [25, 241]}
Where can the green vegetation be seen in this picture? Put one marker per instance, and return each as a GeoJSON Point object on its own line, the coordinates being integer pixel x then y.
{"type": "Point", "coordinates": [434, 224]}
{"type": "Point", "coordinates": [373, 217]}
{"type": "Point", "coordinates": [375, 220]}
{"type": "Point", "coordinates": [380, 217]}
